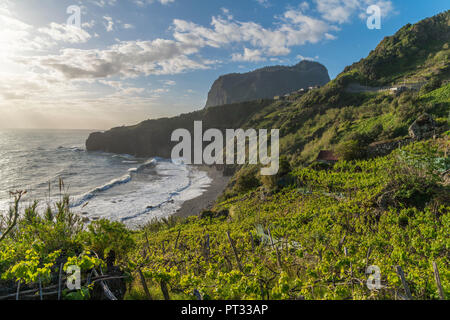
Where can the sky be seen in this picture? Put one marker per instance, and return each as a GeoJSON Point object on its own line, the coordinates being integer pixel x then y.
{"type": "Point", "coordinates": [97, 64]}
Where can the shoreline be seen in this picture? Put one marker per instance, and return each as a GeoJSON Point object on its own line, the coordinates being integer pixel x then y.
{"type": "Point", "coordinates": [207, 199]}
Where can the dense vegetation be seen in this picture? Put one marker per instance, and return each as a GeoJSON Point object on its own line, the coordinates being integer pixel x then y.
{"type": "Point", "coordinates": [311, 231]}
{"type": "Point", "coordinates": [313, 238]}
{"type": "Point", "coordinates": [415, 53]}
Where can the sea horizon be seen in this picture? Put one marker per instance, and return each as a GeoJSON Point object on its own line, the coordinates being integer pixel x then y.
{"type": "Point", "coordinates": [118, 187]}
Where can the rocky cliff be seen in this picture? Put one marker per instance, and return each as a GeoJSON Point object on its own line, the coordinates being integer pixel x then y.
{"type": "Point", "coordinates": [152, 138]}
{"type": "Point", "coordinates": [266, 83]}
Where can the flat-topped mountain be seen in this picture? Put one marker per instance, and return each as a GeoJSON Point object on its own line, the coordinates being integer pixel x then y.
{"type": "Point", "coordinates": [266, 83]}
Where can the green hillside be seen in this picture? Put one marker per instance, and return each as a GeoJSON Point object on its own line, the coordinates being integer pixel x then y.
{"type": "Point", "coordinates": [309, 232]}
{"type": "Point", "coordinates": [415, 53]}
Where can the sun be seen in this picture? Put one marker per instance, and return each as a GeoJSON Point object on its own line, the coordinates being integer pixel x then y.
{"type": "Point", "coordinates": [13, 34]}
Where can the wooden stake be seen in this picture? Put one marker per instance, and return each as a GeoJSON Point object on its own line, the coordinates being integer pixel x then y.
{"type": "Point", "coordinates": [59, 281]}
{"type": "Point", "coordinates": [252, 241]}
{"type": "Point", "coordinates": [404, 283]}
{"type": "Point", "coordinates": [275, 247]}
{"type": "Point", "coordinates": [40, 288]}
{"type": "Point", "coordinates": [207, 249]}
{"type": "Point", "coordinates": [369, 251]}
{"type": "Point", "coordinates": [104, 286]}
{"type": "Point", "coordinates": [178, 237]}
{"type": "Point", "coordinates": [18, 290]}
{"type": "Point", "coordinates": [198, 295]}
{"type": "Point", "coordinates": [144, 285]}
{"type": "Point", "coordinates": [235, 252]}
{"type": "Point", "coordinates": [164, 290]}
{"type": "Point", "coordinates": [146, 240]}
{"type": "Point", "coordinates": [261, 288]}
{"type": "Point", "coordinates": [438, 281]}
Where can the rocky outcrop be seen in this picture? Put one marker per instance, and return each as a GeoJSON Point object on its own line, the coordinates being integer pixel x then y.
{"type": "Point", "coordinates": [383, 148]}
{"type": "Point", "coordinates": [422, 128]}
{"type": "Point", "coordinates": [266, 83]}
{"type": "Point", "coordinates": [152, 138]}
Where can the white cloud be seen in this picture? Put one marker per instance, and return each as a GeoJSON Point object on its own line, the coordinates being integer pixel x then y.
{"type": "Point", "coordinates": [249, 55]}
{"type": "Point", "coordinates": [122, 88]}
{"type": "Point", "coordinates": [88, 25]}
{"type": "Point", "coordinates": [168, 82]}
{"type": "Point", "coordinates": [65, 33]}
{"type": "Point", "coordinates": [16, 35]}
{"type": "Point", "coordinates": [294, 29]}
{"type": "Point", "coordinates": [341, 11]}
{"type": "Point", "coordinates": [126, 59]}
{"type": "Point", "coordinates": [264, 3]}
{"type": "Point", "coordinates": [387, 8]}
{"type": "Point", "coordinates": [300, 57]}
{"type": "Point", "coordinates": [142, 3]}
{"type": "Point", "coordinates": [109, 24]}
{"type": "Point", "coordinates": [104, 3]}
{"type": "Point", "coordinates": [56, 80]}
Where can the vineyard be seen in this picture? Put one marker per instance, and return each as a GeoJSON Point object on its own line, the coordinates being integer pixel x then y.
{"type": "Point", "coordinates": [315, 238]}
{"type": "Point", "coordinates": [311, 239]}
{"type": "Point", "coordinates": [368, 227]}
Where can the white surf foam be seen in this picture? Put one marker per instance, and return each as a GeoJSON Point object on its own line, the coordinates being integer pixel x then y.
{"type": "Point", "coordinates": [137, 198]}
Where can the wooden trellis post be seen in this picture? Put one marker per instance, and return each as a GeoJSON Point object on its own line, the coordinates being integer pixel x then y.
{"type": "Point", "coordinates": [18, 290]}
{"type": "Point", "coordinates": [176, 241]}
{"type": "Point", "coordinates": [235, 252]}
{"type": "Point", "coordinates": [59, 281]}
{"type": "Point", "coordinates": [404, 283]}
{"type": "Point", "coordinates": [40, 288]}
{"type": "Point", "coordinates": [207, 248]}
{"type": "Point", "coordinates": [438, 281]}
{"type": "Point", "coordinates": [198, 295]}
{"type": "Point", "coordinates": [274, 247]}
{"type": "Point", "coordinates": [144, 284]}
{"type": "Point", "coordinates": [164, 290]}
{"type": "Point", "coordinates": [252, 241]}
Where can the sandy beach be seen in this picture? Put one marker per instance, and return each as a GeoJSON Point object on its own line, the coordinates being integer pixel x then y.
{"type": "Point", "coordinates": [207, 199]}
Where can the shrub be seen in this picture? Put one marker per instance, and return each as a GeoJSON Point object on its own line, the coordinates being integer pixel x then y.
{"type": "Point", "coordinates": [351, 150]}
{"type": "Point", "coordinates": [416, 175]}
{"type": "Point", "coordinates": [431, 85]}
{"type": "Point", "coordinates": [246, 180]}
{"type": "Point", "coordinates": [103, 236]}
{"type": "Point", "coordinates": [273, 182]}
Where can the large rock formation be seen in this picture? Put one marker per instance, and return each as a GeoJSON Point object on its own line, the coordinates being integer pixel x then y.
{"type": "Point", "coordinates": [266, 83]}
{"type": "Point", "coordinates": [152, 138]}
{"type": "Point", "coordinates": [423, 127]}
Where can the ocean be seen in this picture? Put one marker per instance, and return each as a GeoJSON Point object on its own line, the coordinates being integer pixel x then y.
{"type": "Point", "coordinates": [100, 185]}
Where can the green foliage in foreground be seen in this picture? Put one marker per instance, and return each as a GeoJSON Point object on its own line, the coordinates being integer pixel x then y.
{"type": "Point", "coordinates": [313, 239]}
{"type": "Point", "coordinates": [308, 233]}
{"type": "Point", "coordinates": [40, 244]}
{"type": "Point", "coordinates": [326, 229]}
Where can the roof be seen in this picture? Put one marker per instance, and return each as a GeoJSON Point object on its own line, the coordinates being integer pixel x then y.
{"type": "Point", "coordinates": [327, 155]}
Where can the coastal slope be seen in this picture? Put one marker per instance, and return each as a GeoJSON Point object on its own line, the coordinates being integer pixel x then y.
{"type": "Point", "coordinates": [152, 138]}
